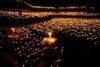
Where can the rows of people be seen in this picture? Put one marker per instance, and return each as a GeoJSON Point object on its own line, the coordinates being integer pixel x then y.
{"type": "Point", "coordinates": [87, 28]}
{"type": "Point", "coordinates": [32, 35]}
{"type": "Point", "coordinates": [27, 15]}
{"type": "Point", "coordinates": [16, 15]}
{"type": "Point", "coordinates": [30, 51]}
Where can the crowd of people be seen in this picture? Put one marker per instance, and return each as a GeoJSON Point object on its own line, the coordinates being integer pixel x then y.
{"type": "Point", "coordinates": [28, 50]}
{"type": "Point", "coordinates": [25, 15]}
{"type": "Point", "coordinates": [76, 26]}
{"type": "Point", "coordinates": [14, 17]}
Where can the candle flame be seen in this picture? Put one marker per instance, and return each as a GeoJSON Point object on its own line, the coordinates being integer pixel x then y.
{"type": "Point", "coordinates": [13, 29]}
{"type": "Point", "coordinates": [50, 34]}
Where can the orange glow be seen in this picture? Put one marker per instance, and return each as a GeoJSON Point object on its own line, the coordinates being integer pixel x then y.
{"type": "Point", "coordinates": [13, 36]}
{"type": "Point", "coordinates": [13, 29]}
{"type": "Point", "coordinates": [49, 41]}
{"type": "Point", "coordinates": [50, 34]}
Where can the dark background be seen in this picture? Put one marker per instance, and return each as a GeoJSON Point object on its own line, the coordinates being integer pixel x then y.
{"type": "Point", "coordinates": [64, 2]}
{"type": "Point", "coordinates": [57, 2]}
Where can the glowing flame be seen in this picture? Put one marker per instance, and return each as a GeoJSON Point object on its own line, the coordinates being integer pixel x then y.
{"type": "Point", "coordinates": [13, 29]}
{"type": "Point", "coordinates": [50, 34]}
{"type": "Point", "coordinates": [49, 41]}
{"type": "Point", "coordinates": [13, 36]}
